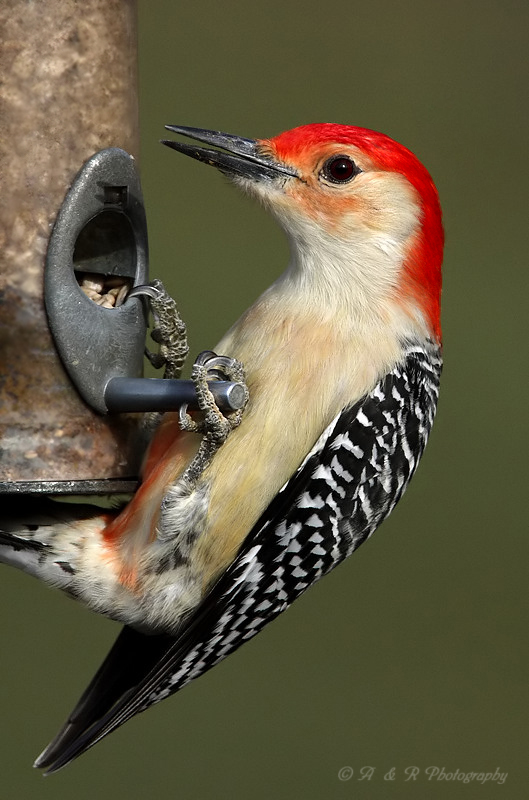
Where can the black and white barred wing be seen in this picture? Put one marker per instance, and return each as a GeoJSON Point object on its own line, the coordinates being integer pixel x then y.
{"type": "Point", "coordinates": [347, 485]}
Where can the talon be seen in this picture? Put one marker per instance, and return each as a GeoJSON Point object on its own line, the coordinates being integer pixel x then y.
{"type": "Point", "coordinates": [204, 357]}
{"type": "Point", "coordinates": [221, 361]}
{"type": "Point", "coordinates": [157, 336]}
{"type": "Point", "coordinates": [221, 367]}
{"type": "Point", "coordinates": [187, 423]}
{"type": "Point", "coordinates": [183, 417]}
{"type": "Point", "coordinates": [156, 359]}
{"type": "Point", "coordinates": [145, 290]}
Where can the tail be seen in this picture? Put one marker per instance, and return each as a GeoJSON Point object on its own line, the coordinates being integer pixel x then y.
{"type": "Point", "coordinates": [110, 698]}
{"type": "Point", "coordinates": [32, 533]}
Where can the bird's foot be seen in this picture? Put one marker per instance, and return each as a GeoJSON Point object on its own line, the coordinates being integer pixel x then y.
{"type": "Point", "coordinates": [214, 424]}
{"type": "Point", "coordinates": [169, 330]}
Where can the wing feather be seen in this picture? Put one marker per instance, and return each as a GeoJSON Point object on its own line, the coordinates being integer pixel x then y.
{"type": "Point", "coordinates": [346, 486]}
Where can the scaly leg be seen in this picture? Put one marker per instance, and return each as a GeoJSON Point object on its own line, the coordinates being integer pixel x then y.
{"type": "Point", "coordinates": [170, 333]}
{"type": "Point", "coordinates": [169, 329]}
{"type": "Point", "coordinates": [214, 425]}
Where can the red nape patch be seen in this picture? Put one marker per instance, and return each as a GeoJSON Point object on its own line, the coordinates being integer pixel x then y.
{"type": "Point", "coordinates": [424, 265]}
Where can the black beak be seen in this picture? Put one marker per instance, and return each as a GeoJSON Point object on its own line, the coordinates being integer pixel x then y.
{"type": "Point", "coordinates": [238, 156]}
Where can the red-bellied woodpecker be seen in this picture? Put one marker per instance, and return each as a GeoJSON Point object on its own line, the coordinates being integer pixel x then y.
{"type": "Point", "coordinates": [342, 362]}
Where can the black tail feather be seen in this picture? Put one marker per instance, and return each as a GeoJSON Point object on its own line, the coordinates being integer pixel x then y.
{"type": "Point", "coordinates": [132, 656]}
{"type": "Point", "coordinates": [19, 542]}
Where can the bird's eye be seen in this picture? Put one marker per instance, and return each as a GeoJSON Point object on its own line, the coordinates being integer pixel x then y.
{"type": "Point", "coordinates": [339, 169]}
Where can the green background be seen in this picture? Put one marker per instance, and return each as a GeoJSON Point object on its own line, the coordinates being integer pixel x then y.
{"type": "Point", "coordinates": [414, 652]}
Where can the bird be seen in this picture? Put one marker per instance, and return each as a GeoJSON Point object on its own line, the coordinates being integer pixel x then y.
{"type": "Point", "coordinates": [342, 357]}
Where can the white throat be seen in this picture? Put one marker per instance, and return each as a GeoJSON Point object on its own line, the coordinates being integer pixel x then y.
{"type": "Point", "coordinates": [356, 278]}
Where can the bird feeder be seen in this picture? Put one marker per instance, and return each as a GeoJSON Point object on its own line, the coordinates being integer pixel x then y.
{"type": "Point", "coordinates": [70, 209]}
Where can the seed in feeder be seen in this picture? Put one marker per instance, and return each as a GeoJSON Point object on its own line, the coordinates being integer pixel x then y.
{"type": "Point", "coordinates": [93, 281]}
{"type": "Point", "coordinates": [122, 294]}
{"type": "Point", "coordinates": [91, 293]}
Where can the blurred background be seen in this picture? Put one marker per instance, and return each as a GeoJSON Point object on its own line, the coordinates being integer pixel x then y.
{"type": "Point", "coordinates": [413, 653]}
